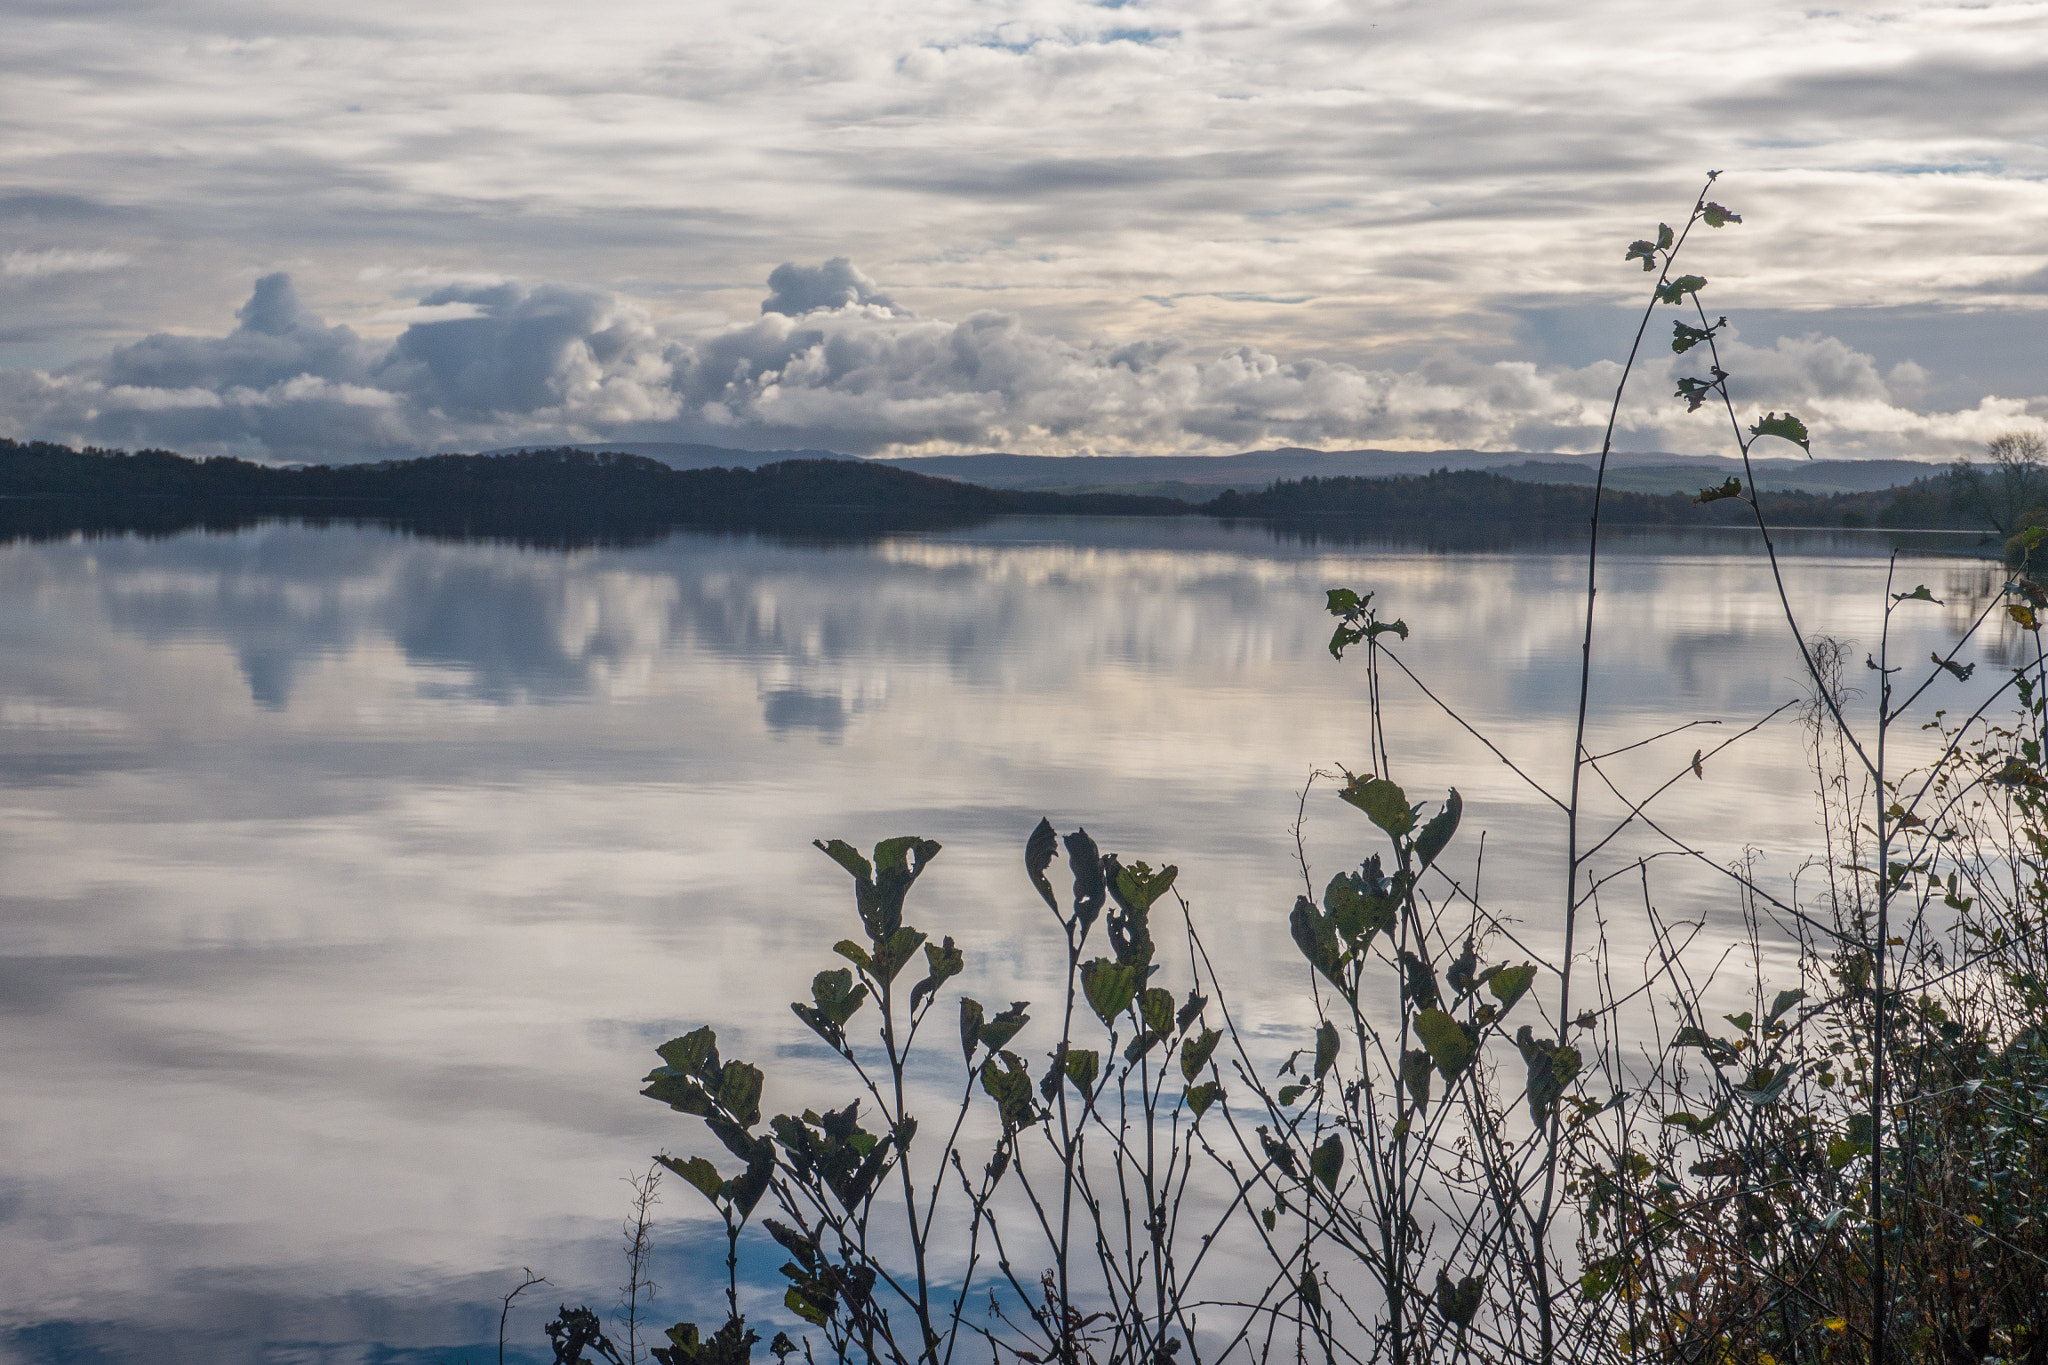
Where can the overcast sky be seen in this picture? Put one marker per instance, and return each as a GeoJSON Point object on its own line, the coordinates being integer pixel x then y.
{"type": "Point", "coordinates": [310, 231]}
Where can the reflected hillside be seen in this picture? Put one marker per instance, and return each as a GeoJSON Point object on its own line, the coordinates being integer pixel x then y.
{"type": "Point", "coordinates": [539, 528]}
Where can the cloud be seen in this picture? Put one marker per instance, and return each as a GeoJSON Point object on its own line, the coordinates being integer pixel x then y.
{"type": "Point", "coordinates": [56, 261]}
{"type": "Point", "coordinates": [795, 290]}
{"type": "Point", "coordinates": [831, 363]}
{"type": "Point", "coordinates": [1370, 186]}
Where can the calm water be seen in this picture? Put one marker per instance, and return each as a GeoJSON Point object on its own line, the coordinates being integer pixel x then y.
{"type": "Point", "coordinates": [350, 877]}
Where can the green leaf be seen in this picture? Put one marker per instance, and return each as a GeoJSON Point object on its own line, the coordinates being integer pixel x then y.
{"type": "Point", "coordinates": [1764, 1085]}
{"type": "Point", "coordinates": [1343, 601]}
{"type": "Point", "coordinates": [1327, 1161]}
{"type": "Point", "coordinates": [997, 1032]}
{"type": "Point", "coordinates": [879, 888]}
{"type": "Point", "coordinates": [1510, 984]}
{"type": "Point", "coordinates": [1696, 392]}
{"type": "Point", "coordinates": [1694, 1124]}
{"type": "Point", "coordinates": [1600, 1277]}
{"type": "Point", "coordinates": [1138, 886]}
{"type": "Point", "coordinates": [1731, 489]}
{"type": "Point", "coordinates": [1439, 830]}
{"type": "Point", "coordinates": [1155, 1007]}
{"type": "Point", "coordinates": [1787, 428]}
{"type": "Point", "coordinates": [1038, 854]}
{"type": "Point", "coordinates": [699, 1173]}
{"type": "Point", "coordinates": [1459, 1303]}
{"type": "Point", "coordinates": [1961, 672]}
{"type": "Point", "coordinates": [1418, 981]}
{"type": "Point", "coordinates": [678, 1092]}
{"type": "Point", "coordinates": [1713, 215]}
{"type": "Point", "coordinates": [1919, 594]}
{"type": "Point", "coordinates": [1009, 1085]}
{"type": "Point", "coordinates": [1450, 1047]}
{"type": "Point", "coordinates": [1552, 1066]}
{"type": "Point", "coordinates": [1290, 1094]}
{"type": "Point", "coordinates": [1685, 336]}
{"type": "Point", "coordinates": [1361, 903]}
{"type": "Point", "coordinates": [1110, 987]}
{"type": "Point", "coordinates": [1317, 938]}
{"type": "Point", "coordinates": [1664, 238]}
{"type": "Point", "coordinates": [1347, 635]}
{"type": "Point", "coordinates": [739, 1092]}
{"type": "Point", "coordinates": [1195, 1053]}
{"type": "Point", "coordinates": [1785, 1001]}
{"type": "Point", "coordinates": [1326, 1048]}
{"type": "Point", "coordinates": [970, 1026]}
{"type": "Point", "coordinates": [800, 1304]}
{"type": "Point", "coordinates": [2016, 773]}
{"type": "Point", "coordinates": [1644, 250]}
{"type": "Point", "coordinates": [1384, 803]}
{"type": "Point", "coordinates": [1200, 1097]}
{"type": "Point", "coordinates": [694, 1054]}
{"type": "Point", "coordinates": [848, 857]}
{"type": "Point", "coordinates": [1718, 1052]}
{"type": "Point", "coordinates": [895, 952]}
{"type": "Point", "coordinates": [838, 998]}
{"type": "Point", "coordinates": [1462, 967]}
{"type": "Point", "coordinates": [1416, 1075]}
{"type": "Point", "coordinates": [1083, 1066]}
{"type": "Point", "coordinates": [1675, 292]}
{"type": "Point", "coordinates": [1085, 861]}
{"type": "Point", "coordinates": [944, 961]}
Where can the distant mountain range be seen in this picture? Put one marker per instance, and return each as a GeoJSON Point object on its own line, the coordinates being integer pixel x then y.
{"type": "Point", "coordinates": [1197, 478]}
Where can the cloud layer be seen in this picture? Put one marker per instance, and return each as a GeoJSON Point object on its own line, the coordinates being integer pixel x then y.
{"type": "Point", "coordinates": [830, 361]}
{"type": "Point", "coordinates": [1214, 222]}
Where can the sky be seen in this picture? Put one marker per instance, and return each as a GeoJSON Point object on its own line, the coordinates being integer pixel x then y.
{"type": "Point", "coordinates": [296, 231]}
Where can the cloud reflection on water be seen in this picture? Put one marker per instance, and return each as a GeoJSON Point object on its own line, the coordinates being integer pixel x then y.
{"type": "Point", "coordinates": [351, 875]}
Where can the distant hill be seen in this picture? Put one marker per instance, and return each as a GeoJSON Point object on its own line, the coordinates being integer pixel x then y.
{"type": "Point", "coordinates": [1482, 495]}
{"type": "Point", "coordinates": [1190, 475]}
{"type": "Point", "coordinates": [1631, 474]}
{"type": "Point", "coordinates": [1196, 478]}
{"type": "Point", "coordinates": [682, 455]}
{"type": "Point", "coordinates": [571, 495]}
{"type": "Point", "coordinates": [540, 495]}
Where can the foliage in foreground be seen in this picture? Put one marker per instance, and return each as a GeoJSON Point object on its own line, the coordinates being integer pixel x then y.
{"type": "Point", "coordinates": [1478, 1150]}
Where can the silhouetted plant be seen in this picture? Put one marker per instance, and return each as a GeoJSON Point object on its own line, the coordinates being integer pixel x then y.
{"type": "Point", "coordinates": [1480, 1151]}
{"type": "Point", "coordinates": [576, 1330]}
{"type": "Point", "coordinates": [1108, 1216]}
{"type": "Point", "coordinates": [638, 1288]}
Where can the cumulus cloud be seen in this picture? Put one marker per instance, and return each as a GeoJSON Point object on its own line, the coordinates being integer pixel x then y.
{"type": "Point", "coordinates": [794, 290]}
{"type": "Point", "coordinates": [830, 362]}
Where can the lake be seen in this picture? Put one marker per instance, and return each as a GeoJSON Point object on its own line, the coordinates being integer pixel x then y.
{"type": "Point", "coordinates": [351, 877]}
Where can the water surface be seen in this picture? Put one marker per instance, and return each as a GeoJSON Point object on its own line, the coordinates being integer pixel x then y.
{"type": "Point", "coordinates": [351, 876]}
